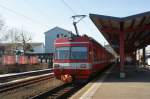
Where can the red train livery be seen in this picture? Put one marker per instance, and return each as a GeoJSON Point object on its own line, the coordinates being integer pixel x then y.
{"type": "Point", "coordinates": [78, 58]}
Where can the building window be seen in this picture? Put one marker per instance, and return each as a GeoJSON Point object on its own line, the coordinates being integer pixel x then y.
{"type": "Point", "coordinates": [58, 35]}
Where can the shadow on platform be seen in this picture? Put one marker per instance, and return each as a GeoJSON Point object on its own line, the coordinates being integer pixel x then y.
{"type": "Point", "coordinates": [133, 74]}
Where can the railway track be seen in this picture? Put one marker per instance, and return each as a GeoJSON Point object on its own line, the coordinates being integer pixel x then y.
{"type": "Point", "coordinates": [65, 91]}
{"type": "Point", "coordinates": [8, 77]}
{"type": "Point", "coordinates": [28, 87]}
{"type": "Point", "coordinates": [61, 92]}
{"type": "Point", "coordinates": [8, 86]}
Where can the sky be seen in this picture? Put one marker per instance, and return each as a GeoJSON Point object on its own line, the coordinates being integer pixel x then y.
{"type": "Point", "coordinates": [38, 16]}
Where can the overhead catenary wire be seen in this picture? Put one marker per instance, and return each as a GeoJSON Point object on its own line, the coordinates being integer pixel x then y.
{"type": "Point", "coordinates": [85, 23]}
{"type": "Point", "coordinates": [73, 11]}
{"type": "Point", "coordinates": [68, 6]}
{"type": "Point", "coordinates": [35, 9]}
{"type": "Point", "coordinates": [22, 15]}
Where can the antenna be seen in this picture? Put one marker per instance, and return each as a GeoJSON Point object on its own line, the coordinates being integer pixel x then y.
{"type": "Point", "coordinates": [77, 19]}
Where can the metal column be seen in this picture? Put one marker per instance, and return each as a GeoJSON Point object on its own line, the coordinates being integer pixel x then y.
{"type": "Point", "coordinates": [144, 56]}
{"type": "Point", "coordinates": [122, 54]}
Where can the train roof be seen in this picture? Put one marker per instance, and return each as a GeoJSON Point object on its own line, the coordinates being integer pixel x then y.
{"type": "Point", "coordinates": [78, 38]}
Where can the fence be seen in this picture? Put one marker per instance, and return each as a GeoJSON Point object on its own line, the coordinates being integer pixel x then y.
{"type": "Point", "coordinates": [27, 59]}
{"type": "Point", "coordinates": [22, 60]}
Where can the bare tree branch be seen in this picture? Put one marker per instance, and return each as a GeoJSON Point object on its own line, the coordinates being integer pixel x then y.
{"type": "Point", "coordinates": [1, 23]}
{"type": "Point", "coordinates": [19, 40]}
{"type": "Point", "coordinates": [2, 34]}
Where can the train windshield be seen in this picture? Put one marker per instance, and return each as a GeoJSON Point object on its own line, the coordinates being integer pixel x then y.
{"type": "Point", "coordinates": [62, 53]}
{"type": "Point", "coordinates": [78, 53]}
{"type": "Point", "coordinates": [71, 53]}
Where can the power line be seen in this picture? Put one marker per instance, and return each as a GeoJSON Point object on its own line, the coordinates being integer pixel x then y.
{"type": "Point", "coordinates": [85, 23]}
{"type": "Point", "coordinates": [35, 9]}
{"type": "Point", "coordinates": [20, 14]}
{"type": "Point", "coordinates": [67, 5]}
{"type": "Point", "coordinates": [63, 1]}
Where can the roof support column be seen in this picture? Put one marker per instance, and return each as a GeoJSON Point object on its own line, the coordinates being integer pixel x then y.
{"type": "Point", "coordinates": [144, 56]}
{"type": "Point", "coordinates": [122, 54]}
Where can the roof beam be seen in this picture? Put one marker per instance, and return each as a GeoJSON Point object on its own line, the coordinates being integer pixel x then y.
{"type": "Point", "coordinates": [145, 42]}
{"type": "Point", "coordinates": [109, 21]}
{"type": "Point", "coordinates": [142, 21]}
{"type": "Point", "coordinates": [132, 24]}
{"type": "Point", "coordinates": [135, 38]}
{"type": "Point", "coordinates": [109, 30]}
{"type": "Point", "coordinates": [138, 29]}
{"type": "Point", "coordinates": [127, 37]}
{"type": "Point", "coordinates": [102, 23]}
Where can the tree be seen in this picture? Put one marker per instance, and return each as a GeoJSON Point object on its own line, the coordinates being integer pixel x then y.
{"type": "Point", "coordinates": [25, 41]}
{"type": "Point", "coordinates": [19, 40]}
{"type": "Point", "coordinates": [16, 38]}
{"type": "Point", "coordinates": [2, 32]}
{"type": "Point", "coordinates": [12, 40]}
{"type": "Point", "coordinates": [1, 23]}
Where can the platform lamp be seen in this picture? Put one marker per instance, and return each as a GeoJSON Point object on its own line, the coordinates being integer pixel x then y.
{"type": "Point", "coordinates": [77, 19]}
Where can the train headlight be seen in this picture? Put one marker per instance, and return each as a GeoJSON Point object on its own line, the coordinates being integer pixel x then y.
{"type": "Point", "coordinates": [56, 65]}
{"type": "Point", "coordinates": [83, 65]}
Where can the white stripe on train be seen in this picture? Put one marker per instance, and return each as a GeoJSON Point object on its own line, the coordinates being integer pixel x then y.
{"type": "Point", "coordinates": [73, 65]}
{"type": "Point", "coordinates": [77, 65]}
{"type": "Point", "coordinates": [73, 43]}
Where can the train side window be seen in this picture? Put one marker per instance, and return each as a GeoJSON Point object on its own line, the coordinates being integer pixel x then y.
{"type": "Point", "coordinates": [95, 55]}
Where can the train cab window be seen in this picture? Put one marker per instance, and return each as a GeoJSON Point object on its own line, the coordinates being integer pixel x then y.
{"type": "Point", "coordinates": [79, 53]}
{"type": "Point", "coordinates": [71, 53]}
{"type": "Point", "coordinates": [62, 53]}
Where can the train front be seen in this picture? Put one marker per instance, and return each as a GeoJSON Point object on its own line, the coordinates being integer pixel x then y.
{"type": "Point", "coordinates": [71, 59]}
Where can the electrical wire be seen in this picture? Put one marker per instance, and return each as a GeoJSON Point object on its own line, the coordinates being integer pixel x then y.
{"type": "Point", "coordinates": [73, 11]}
{"type": "Point", "coordinates": [66, 4]}
{"type": "Point", "coordinates": [22, 15]}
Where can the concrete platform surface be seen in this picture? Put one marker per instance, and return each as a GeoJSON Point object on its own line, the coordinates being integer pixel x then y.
{"type": "Point", "coordinates": [136, 85]}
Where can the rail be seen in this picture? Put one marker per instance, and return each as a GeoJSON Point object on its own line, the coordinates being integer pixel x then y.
{"type": "Point", "coordinates": [60, 92]}
{"type": "Point", "coordinates": [24, 82]}
{"type": "Point", "coordinates": [30, 73]}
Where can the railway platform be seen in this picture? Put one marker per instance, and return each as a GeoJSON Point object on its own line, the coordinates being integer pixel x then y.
{"type": "Point", "coordinates": [110, 86]}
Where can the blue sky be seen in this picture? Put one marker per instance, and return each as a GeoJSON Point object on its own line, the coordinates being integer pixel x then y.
{"type": "Point", "coordinates": [38, 16]}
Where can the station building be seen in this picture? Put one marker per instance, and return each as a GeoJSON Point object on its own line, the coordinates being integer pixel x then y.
{"type": "Point", "coordinates": [52, 34]}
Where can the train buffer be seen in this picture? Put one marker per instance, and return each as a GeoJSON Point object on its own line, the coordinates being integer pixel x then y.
{"type": "Point", "coordinates": [111, 86]}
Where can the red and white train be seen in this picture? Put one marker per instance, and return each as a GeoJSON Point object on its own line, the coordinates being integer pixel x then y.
{"type": "Point", "coordinates": [79, 58]}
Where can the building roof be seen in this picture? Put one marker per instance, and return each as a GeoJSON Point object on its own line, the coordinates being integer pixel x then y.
{"type": "Point", "coordinates": [135, 27]}
{"type": "Point", "coordinates": [49, 31]}
{"type": "Point", "coordinates": [33, 44]}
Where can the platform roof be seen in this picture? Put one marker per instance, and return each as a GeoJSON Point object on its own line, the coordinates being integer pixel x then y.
{"type": "Point", "coordinates": [135, 27]}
